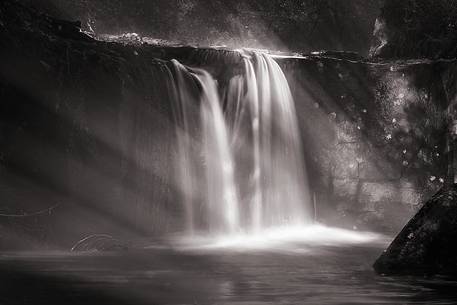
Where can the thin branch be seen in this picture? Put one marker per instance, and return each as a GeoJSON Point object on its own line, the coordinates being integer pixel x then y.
{"type": "Point", "coordinates": [47, 210]}
{"type": "Point", "coordinates": [102, 236]}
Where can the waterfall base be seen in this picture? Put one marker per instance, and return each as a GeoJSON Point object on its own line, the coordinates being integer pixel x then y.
{"type": "Point", "coordinates": [279, 238]}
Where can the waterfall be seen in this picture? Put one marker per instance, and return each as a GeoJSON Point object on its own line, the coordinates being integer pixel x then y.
{"type": "Point", "coordinates": [222, 199]}
{"type": "Point", "coordinates": [241, 167]}
{"type": "Point", "coordinates": [192, 89]}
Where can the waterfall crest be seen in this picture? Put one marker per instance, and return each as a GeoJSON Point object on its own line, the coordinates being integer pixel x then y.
{"type": "Point", "coordinates": [240, 167]}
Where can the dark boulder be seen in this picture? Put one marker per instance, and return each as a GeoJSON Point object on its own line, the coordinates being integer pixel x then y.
{"type": "Point", "coordinates": [427, 245]}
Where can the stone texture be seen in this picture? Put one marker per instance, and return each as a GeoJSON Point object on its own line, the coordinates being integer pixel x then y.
{"type": "Point", "coordinates": [426, 245]}
{"type": "Point", "coordinates": [347, 132]}
{"type": "Point", "coordinates": [377, 169]}
{"type": "Point", "coordinates": [375, 192]}
{"type": "Point", "coordinates": [410, 196]}
{"type": "Point", "coordinates": [345, 188]}
{"type": "Point", "coordinates": [345, 160]}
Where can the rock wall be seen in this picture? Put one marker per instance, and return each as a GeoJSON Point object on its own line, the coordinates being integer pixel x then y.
{"type": "Point", "coordinates": [374, 134]}
{"type": "Point", "coordinates": [86, 126]}
{"type": "Point", "coordinates": [279, 24]}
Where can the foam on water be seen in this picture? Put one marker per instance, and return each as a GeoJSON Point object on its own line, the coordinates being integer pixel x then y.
{"type": "Point", "coordinates": [281, 237]}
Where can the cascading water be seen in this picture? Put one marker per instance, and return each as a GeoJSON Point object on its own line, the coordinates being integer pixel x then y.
{"type": "Point", "coordinates": [248, 157]}
{"type": "Point", "coordinates": [264, 108]}
{"type": "Point", "coordinates": [222, 199]}
{"type": "Point", "coordinates": [195, 88]}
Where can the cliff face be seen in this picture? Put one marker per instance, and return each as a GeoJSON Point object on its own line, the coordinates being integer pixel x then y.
{"type": "Point", "coordinates": [77, 118]}
{"type": "Point", "coordinates": [87, 127]}
{"type": "Point", "coordinates": [374, 134]}
{"type": "Point", "coordinates": [295, 25]}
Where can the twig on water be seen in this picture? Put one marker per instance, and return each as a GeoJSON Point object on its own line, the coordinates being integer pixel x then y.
{"type": "Point", "coordinates": [96, 242]}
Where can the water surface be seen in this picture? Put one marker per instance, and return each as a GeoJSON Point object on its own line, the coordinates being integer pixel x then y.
{"type": "Point", "coordinates": [292, 273]}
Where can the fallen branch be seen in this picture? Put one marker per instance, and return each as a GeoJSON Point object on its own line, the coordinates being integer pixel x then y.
{"type": "Point", "coordinates": [99, 242]}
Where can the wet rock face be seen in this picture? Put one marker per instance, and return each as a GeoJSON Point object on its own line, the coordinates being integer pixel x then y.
{"type": "Point", "coordinates": [426, 245]}
{"type": "Point", "coordinates": [77, 119]}
{"type": "Point", "coordinates": [374, 135]}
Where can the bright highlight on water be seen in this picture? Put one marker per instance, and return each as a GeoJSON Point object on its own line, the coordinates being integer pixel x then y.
{"type": "Point", "coordinates": [296, 239]}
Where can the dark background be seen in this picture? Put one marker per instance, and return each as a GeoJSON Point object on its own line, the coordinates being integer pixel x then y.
{"type": "Point", "coordinates": [282, 24]}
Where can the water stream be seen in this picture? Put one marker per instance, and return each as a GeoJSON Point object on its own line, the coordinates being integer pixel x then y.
{"type": "Point", "coordinates": [247, 156]}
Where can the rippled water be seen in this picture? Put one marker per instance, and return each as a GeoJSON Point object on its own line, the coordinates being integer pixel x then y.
{"type": "Point", "coordinates": [292, 273]}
